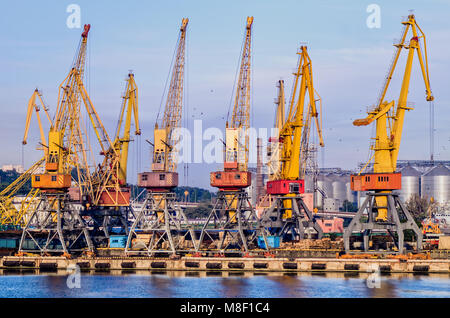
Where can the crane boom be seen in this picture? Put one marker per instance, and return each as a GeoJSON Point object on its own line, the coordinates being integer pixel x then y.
{"type": "Point", "coordinates": [164, 176]}
{"type": "Point", "coordinates": [165, 150]}
{"type": "Point", "coordinates": [274, 147]}
{"type": "Point", "coordinates": [237, 140]}
{"type": "Point", "coordinates": [235, 174]}
{"type": "Point", "coordinates": [130, 107]}
{"type": "Point", "coordinates": [32, 105]}
{"type": "Point", "coordinates": [295, 132]}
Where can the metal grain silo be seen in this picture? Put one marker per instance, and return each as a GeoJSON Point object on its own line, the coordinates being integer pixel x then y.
{"type": "Point", "coordinates": [309, 183]}
{"type": "Point", "coordinates": [325, 184]}
{"type": "Point", "coordinates": [361, 196]}
{"type": "Point", "coordinates": [349, 193]}
{"type": "Point", "coordinates": [436, 184]}
{"type": "Point", "coordinates": [410, 183]}
{"type": "Point", "coordinates": [339, 190]}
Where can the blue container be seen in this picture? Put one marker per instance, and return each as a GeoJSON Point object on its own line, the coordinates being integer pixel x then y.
{"type": "Point", "coordinates": [118, 241]}
{"type": "Point", "coordinates": [273, 241]}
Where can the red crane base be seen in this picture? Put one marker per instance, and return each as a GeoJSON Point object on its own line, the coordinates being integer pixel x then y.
{"type": "Point", "coordinates": [285, 186]}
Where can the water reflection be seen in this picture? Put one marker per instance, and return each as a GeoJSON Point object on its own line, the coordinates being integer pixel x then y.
{"type": "Point", "coordinates": [120, 283]}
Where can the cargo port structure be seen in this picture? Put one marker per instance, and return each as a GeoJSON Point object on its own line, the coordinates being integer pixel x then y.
{"type": "Point", "coordinates": [9, 215]}
{"type": "Point", "coordinates": [161, 225]}
{"type": "Point", "coordinates": [288, 216]}
{"type": "Point", "coordinates": [233, 221]}
{"type": "Point", "coordinates": [54, 225]}
{"type": "Point", "coordinates": [384, 210]}
{"type": "Point", "coordinates": [110, 205]}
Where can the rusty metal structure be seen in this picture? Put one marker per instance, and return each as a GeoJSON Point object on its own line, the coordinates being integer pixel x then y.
{"type": "Point", "coordinates": [161, 225]}
{"type": "Point", "coordinates": [233, 219]}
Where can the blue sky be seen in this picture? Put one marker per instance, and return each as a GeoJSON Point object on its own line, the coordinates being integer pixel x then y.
{"type": "Point", "coordinates": [349, 64]}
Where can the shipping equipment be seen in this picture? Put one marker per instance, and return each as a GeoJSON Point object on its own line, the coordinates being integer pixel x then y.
{"type": "Point", "coordinates": [13, 214]}
{"type": "Point", "coordinates": [430, 225]}
{"type": "Point", "coordinates": [110, 206]}
{"type": "Point", "coordinates": [382, 207]}
{"type": "Point", "coordinates": [274, 146]}
{"type": "Point", "coordinates": [233, 217]}
{"type": "Point", "coordinates": [56, 224]}
{"type": "Point", "coordinates": [288, 215]}
{"type": "Point", "coordinates": [161, 225]}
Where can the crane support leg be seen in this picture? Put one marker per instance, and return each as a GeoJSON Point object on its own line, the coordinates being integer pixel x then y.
{"type": "Point", "coordinates": [105, 219]}
{"type": "Point", "coordinates": [232, 223]}
{"type": "Point", "coordinates": [55, 227]}
{"type": "Point", "coordinates": [160, 226]}
{"type": "Point", "coordinates": [295, 227]}
{"type": "Point", "coordinates": [399, 219]}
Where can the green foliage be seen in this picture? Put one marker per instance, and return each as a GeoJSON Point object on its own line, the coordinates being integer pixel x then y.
{"type": "Point", "coordinates": [201, 211]}
{"type": "Point", "coordinates": [7, 177]}
{"type": "Point", "coordinates": [418, 207]}
{"type": "Point", "coordinates": [349, 206]}
{"type": "Point", "coordinates": [194, 194]}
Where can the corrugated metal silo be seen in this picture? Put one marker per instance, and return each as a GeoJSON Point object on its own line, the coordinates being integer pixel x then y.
{"type": "Point", "coordinates": [349, 193]}
{"type": "Point", "coordinates": [325, 184]}
{"type": "Point", "coordinates": [410, 183]}
{"type": "Point", "coordinates": [309, 183]}
{"type": "Point", "coordinates": [339, 189]}
{"type": "Point", "coordinates": [436, 184]}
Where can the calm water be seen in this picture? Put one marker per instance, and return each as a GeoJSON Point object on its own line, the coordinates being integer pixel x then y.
{"type": "Point", "coordinates": [183, 284]}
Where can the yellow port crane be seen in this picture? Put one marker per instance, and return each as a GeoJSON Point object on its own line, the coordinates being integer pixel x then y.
{"type": "Point", "coordinates": [233, 213]}
{"type": "Point", "coordinates": [110, 206]}
{"type": "Point", "coordinates": [66, 160]}
{"type": "Point", "coordinates": [288, 213]}
{"type": "Point", "coordinates": [389, 117]}
{"type": "Point", "coordinates": [161, 220]}
{"type": "Point", "coordinates": [15, 214]}
{"type": "Point", "coordinates": [110, 178]}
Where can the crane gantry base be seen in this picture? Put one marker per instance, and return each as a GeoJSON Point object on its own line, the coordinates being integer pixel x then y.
{"type": "Point", "coordinates": [233, 222]}
{"type": "Point", "coordinates": [295, 226]}
{"type": "Point", "coordinates": [399, 220]}
{"type": "Point", "coordinates": [160, 226]}
{"type": "Point", "coordinates": [105, 219]}
{"type": "Point", "coordinates": [55, 226]}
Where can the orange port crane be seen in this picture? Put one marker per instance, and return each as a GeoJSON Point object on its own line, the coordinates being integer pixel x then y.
{"type": "Point", "coordinates": [233, 213]}
{"type": "Point", "coordinates": [160, 218]}
{"type": "Point", "coordinates": [385, 209]}
{"type": "Point", "coordinates": [288, 214]}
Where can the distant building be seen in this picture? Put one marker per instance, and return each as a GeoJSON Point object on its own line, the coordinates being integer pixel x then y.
{"type": "Point", "coordinates": [17, 168]}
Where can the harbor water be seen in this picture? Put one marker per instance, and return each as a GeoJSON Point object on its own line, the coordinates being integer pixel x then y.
{"type": "Point", "coordinates": [115, 284]}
